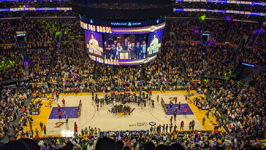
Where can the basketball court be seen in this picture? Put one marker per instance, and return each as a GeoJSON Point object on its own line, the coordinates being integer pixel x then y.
{"type": "Point", "coordinates": [139, 119]}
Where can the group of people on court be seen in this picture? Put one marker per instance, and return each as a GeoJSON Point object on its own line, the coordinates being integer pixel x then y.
{"type": "Point", "coordinates": [142, 95]}
{"type": "Point", "coordinates": [140, 99]}
{"type": "Point", "coordinates": [59, 111]}
{"type": "Point", "coordinates": [135, 51]}
{"type": "Point", "coordinates": [182, 123]}
{"type": "Point", "coordinates": [191, 124]}
{"type": "Point", "coordinates": [179, 107]}
{"type": "Point", "coordinates": [121, 109]}
{"type": "Point", "coordinates": [165, 128]}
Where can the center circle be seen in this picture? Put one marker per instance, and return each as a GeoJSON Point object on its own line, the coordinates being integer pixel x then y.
{"type": "Point", "coordinates": [121, 110]}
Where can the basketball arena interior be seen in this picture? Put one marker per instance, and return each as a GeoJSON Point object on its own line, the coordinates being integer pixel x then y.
{"type": "Point", "coordinates": [132, 74]}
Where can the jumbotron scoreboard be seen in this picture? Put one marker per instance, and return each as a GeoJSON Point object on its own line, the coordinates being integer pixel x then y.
{"type": "Point", "coordinates": [123, 33]}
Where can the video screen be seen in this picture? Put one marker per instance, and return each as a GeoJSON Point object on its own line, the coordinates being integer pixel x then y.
{"type": "Point", "coordinates": [154, 42]}
{"type": "Point", "coordinates": [123, 49]}
{"type": "Point", "coordinates": [125, 46]}
{"type": "Point", "coordinates": [94, 43]}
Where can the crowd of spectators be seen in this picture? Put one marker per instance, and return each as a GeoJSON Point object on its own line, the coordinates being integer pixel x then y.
{"type": "Point", "coordinates": [220, 16]}
{"type": "Point", "coordinates": [243, 28]}
{"type": "Point", "coordinates": [139, 140]}
{"type": "Point", "coordinates": [221, 30]}
{"type": "Point", "coordinates": [12, 101]}
{"type": "Point", "coordinates": [12, 65]}
{"type": "Point", "coordinates": [28, 4]}
{"type": "Point", "coordinates": [252, 55]}
{"type": "Point", "coordinates": [188, 29]}
{"type": "Point", "coordinates": [41, 53]}
{"type": "Point", "coordinates": [243, 110]}
{"type": "Point", "coordinates": [261, 42]}
{"type": "Point", "coordinates": [40, 30]}
{"type": "Point", "coordinates": [71, 67]}
{"type": "Point", "coordinates": [40, 60]}
{"type": "Point", "coordinates": [192, 58]}
{"type": "Point", "coordinates": [38, 50]}
{"type": "Point", "coordinates": [217, 57]}
{"type": "Point", "coordinates": [38, 14]}
{"type": "Point", "coordinates": [215, 60]}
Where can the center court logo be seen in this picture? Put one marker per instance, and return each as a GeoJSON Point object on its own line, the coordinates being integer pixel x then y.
{"type": "Point", "coordinates": [152, 123]}
{"type": "Point", "coordinates": [152, 29]}
{"type": "Point", "coordinates": [59, 124]}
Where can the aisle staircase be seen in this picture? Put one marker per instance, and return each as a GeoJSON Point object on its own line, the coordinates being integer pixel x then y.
{"type": "Point", "coordinates": [172, 36]}
{"type": "Point", "coordinates": [184, 73]}
{"type": "Point", "coordinates": [5, 139]}
{"type": "Point", "coordinates": [51, 65]}
{"type": "Point", "coordinates": [250, 76]}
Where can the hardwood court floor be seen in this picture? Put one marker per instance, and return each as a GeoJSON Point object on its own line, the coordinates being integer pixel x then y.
{"type": "Point", "coordinates": [106, 121]}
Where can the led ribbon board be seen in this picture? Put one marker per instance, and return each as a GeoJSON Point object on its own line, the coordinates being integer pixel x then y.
{"type": "Point", "coordinates": [113, 23]}
{"type": "Point", "coordinates": [122, 62]}
{"type": "Point", "coordinates": [224, 2]}
{"type": "Point", "coordinates": [122, 30]}
{"type": "Point", "coordinates": [220, 11]}
{"type": "Point", "coordinates": [36, 9]}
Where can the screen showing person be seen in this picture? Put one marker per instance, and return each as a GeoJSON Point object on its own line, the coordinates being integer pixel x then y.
{"type": "Point", "coordinates": [129, 48]}
{"type": "Point", "coordinates": [121, 44]}
{"type": "Point", "coordinates": [141, 39]}
{"type": "Point", "coordinates": [138, 51]}
{"type": "Point", "coordinates": [154, 42]}
{"type": "Point", "coordinates": [125, 45]}
{"type": "Point", "coordinates": [94, 43]}
{"type": "Point", "coordinates": [132, 51]}
{"type": "Point", "coordinates": [107, 49]}
{"type": "Point", "coordinates": [143, 50]}
{"type": "Point", "coordinates": [115, 43]}
{"type": "Point", "coordinates": [113, 51]}
{"type": "Point", "coordinates": [119, 49]}
{"type": "Point", "coordinates": [154, 46]}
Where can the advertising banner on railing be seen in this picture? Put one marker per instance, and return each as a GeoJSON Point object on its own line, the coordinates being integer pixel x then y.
{"type": "Point", "coordinates": [36, 9]}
